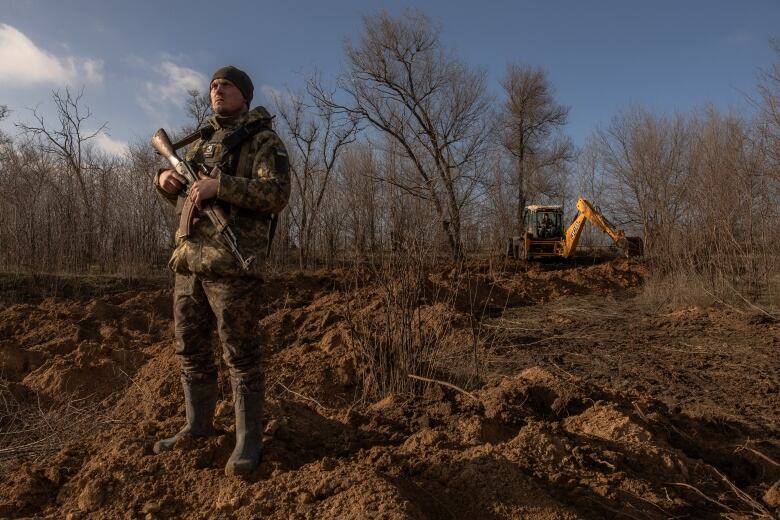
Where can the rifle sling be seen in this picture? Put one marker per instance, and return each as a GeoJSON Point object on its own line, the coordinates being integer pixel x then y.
{"type": "Point", "coordinates": [234, 139]}
{"type": "Point", "coordinates": [230, 141]}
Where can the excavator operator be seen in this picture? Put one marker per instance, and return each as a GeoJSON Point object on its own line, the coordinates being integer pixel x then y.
{"type": "Point", "coordinates": [546, 227]}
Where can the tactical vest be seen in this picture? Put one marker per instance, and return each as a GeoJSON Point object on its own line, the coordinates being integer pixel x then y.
{"type": "Point", "coordinates": [223, 147]}
{"type": "Point", "coordinates": [229, 149]}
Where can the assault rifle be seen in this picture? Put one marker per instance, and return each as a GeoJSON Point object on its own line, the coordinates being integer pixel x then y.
{"type": "Point", "coordinates": [216, 214]}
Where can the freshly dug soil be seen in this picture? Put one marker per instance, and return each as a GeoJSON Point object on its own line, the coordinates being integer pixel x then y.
{"type": "Point", "coordinates": [567, 396]}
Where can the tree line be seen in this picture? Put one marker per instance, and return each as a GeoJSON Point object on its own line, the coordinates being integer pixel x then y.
{"type": "Point", "coordinates": [407, 143]}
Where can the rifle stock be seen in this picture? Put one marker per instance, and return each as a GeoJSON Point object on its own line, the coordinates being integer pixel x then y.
{"type": "Point", "coordinates": [162, 143]}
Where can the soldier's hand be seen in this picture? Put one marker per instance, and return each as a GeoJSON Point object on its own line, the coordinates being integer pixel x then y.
{"type": "Point", "coordinates": [171, 181]}
{"type": "Point", "coordinates": [203, 189]}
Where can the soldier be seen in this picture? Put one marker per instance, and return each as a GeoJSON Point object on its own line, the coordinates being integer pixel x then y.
{"type": "Point", "coordinates": [211, 289]}
{"type": "Point", "coordinates": [546, 226]}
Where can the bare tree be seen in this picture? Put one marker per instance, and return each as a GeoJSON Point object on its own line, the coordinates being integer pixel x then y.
{"type": "Point", "coordinates": [68, 140]}
{"type": "Point", "coordinates": [402, 81]}
{"type": "Point", "coordinates": [198, 107]}
{"type": "Point", "coordinates": [359, 180]}
{"type": "Point", "coordinates": [318, 134]}
{"type": "Point", "coordinates": [769, 108]}
{"type": "Point", "coordinates": [149, 220]}
{"type": "Point", "coordinates": [529, 128]}
{"type": "Point", "coordinates": [4, 113]}
{"type": "Point", "coordinates": [26, 177]}
{"type": "Point", "coordinates": [646, 160]}
{"type": "Point", "coordinates": [499, 203]}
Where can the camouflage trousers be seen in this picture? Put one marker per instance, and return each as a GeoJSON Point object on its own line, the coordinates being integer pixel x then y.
{"type": "Point", "coordinates": [230, 305]}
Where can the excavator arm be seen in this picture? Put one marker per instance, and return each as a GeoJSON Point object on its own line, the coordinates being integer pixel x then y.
{"type": "Point", "coordinates": [567, 246]}
{"type": "Point", "coordinates": [588, 212]}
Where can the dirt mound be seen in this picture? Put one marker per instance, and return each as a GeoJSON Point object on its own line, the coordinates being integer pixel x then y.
{"type": "Point", "coordinates": [92, 385]}
{"type": "Point", "coordinates": [62, 350]}
{"type": "Point", "coordinates": [489, 288]}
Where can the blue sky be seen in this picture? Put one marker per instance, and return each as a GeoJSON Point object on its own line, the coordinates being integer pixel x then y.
{"type": "Point", "coordinates": [136, 59]}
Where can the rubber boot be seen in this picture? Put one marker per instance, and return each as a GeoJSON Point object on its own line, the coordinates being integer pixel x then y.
{"type": "Point", "coordinates": [249, 434]}
{"type": "Point", "coordinates": [200, 400]}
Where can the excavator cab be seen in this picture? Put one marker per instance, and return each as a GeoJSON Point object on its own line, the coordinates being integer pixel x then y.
{"type": "Point", "coordinates": [544, 221]}
{"type": "Point", "coordinates": [543, 230]}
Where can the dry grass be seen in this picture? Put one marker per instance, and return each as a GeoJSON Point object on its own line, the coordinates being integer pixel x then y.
{"type": "Point", "coordinates": [30, 431]}
{"type": "Point", "coordinates": [392, 342]}
{"type": "Point", "coordinates": [683, 287]}
{"type": "Point", "coordinates": [410, 333]}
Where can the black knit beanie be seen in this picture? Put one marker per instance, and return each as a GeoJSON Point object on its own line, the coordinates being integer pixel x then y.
{"type": "Point", "coordinates": [239, 78]}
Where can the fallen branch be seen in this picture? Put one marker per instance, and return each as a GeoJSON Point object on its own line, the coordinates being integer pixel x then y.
{"type": "Point", "coordinates": [640, 412]}
{"type": "Point", "coordinates": [751, 304]}
{"type": "Point", "coordinates": [719, 300]}
{"type": "Point", "coordinates": [13, 449]}
{"type": "Point", "coordinates": [757, 453]}
{"type": "Point", "coordinates": [747, 499]}
{"type": "Point", "coordinates": [444, 383]}
{"type": "Point", "coordinates": [305, 397]}
{"type": "Point", "coordinates": [571, 376]}
{"type": "Point", "coordinates": [144, 393]}
{"type": "Point", "coordinates": [701, 494]}
{"type": "Point", "coordinates": [666, 513]}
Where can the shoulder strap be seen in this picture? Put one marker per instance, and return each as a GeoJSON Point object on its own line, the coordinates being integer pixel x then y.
{"type": "Point", "coordinates": [244, 132]}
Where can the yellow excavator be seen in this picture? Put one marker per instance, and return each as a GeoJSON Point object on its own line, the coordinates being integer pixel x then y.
{"type": "Point", "coordinates": [545, 237]}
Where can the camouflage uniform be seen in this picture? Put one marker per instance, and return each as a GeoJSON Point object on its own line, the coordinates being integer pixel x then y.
{"type": "Point", "coordinates": [211, 287]}
{"type": "Point", "coordinates": [200, 304]}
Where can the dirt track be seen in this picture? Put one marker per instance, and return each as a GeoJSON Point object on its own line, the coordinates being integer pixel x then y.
{"type": "Point", "coordinates": [586, 402]}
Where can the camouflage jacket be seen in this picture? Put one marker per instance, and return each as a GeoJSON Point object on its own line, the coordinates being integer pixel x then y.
{"type": "Point", "coordinates": [254, 184]}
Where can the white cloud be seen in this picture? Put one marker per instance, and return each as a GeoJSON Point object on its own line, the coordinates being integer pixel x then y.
{"type": "Point", "coordinates": [93, 71]}
{"type": "Point", "coordinates": [170, 90]}
{"type": "Point", "coordinates": [177, 80]}
{"type": "Point", "coordinates": [24, 63]}
{"type": "Point", "coordinates": [109, 145]}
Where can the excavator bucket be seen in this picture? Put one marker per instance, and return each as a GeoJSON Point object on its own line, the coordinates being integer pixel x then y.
{"type": "Point", "coordinates": [635, 246]}
{"type": "Point", "coordinates": [630, 246]}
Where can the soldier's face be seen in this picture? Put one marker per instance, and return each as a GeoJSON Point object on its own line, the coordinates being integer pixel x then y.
{"type": "Point", "coordinates": [226, 99]}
